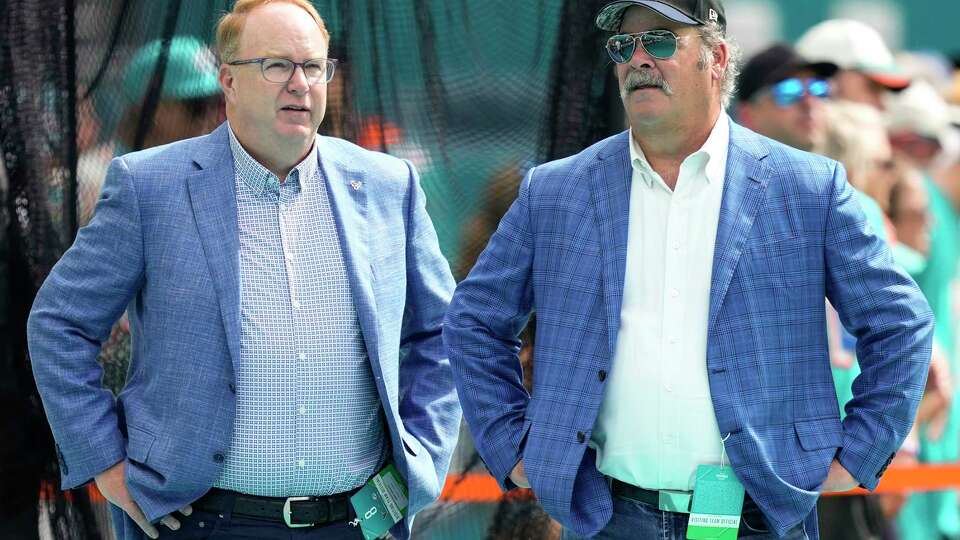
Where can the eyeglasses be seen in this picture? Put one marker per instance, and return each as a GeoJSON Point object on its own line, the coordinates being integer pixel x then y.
{"type": "Point", "coordinates": [660, 44]}
{"type": "Point", "coordinates": [280, 70]}
{"type": "Point", "coordinates": [787, 92]}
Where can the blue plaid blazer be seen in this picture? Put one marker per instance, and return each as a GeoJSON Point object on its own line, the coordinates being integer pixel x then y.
{"type": "Point", "coordinates": [165, 243]}
{"type": "Point", "coordinates": [790, 234]}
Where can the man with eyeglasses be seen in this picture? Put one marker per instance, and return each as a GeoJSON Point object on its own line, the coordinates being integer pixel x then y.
{"type": "Point", "coordinates": [678, 271]}
{"type": "Point", "coordinates": [274, 279]}
{"type": "Point", "coordinates": [780, 96]}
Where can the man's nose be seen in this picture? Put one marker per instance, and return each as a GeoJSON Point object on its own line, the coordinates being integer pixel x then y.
{"type": "Point", "coordinates": [298, 81]}
{"type": "Point", "coordinates": [641, 58]}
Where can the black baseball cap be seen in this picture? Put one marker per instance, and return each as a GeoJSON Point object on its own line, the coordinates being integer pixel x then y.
{"type": "Point", "coordinates": [774, 64]}
{"type": "Point", "coordinates": [692, 12]}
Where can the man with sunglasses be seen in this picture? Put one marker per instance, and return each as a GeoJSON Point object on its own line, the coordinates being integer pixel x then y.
{"type": "Point", "coordinates": [272, 277]}
{"type": "Point", "coordinates": [678, 271]}
{"type": "Point", "coordinates": [780, 95]}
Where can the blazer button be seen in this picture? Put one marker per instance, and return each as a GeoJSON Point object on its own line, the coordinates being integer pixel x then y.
{"type": "Point", "coordinates": [602, 375]}
{"type": "Point", "coordinates": [581, 437]}
{"type": "Point", "coordinates": [218, 457]}
{"type": "Point", "coordinates": [233, 388]}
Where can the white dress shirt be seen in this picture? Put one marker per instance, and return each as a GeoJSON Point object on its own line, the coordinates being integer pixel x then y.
{"type": "Point", "coordinates": [657, 422]}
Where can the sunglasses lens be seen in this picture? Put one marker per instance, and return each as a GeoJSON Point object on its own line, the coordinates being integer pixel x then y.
{"type": "Point", "coordinates": [659, 44]}
{"type": "Point", "coordinates": [620, 48]}
{"type": "Point", "coordinates": [788, 92]}
{"type": "Point", "coordinates": [819, 88]}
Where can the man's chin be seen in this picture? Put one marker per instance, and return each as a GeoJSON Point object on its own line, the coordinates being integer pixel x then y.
{"type": "Point", "coordinates": [294, 132]}
{"type": "Point", "coordinates": [645, 114]}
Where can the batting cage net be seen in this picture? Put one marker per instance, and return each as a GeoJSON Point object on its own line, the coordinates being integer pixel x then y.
{"type": "Point", "coordinates": [472, 92]}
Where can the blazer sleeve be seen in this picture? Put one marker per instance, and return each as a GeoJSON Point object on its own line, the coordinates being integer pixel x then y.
{"type": "Point", "coordinates": [428, 399]}
{"type": "Point", "coordinates": [81, 299]}
{"type": "Point", "coordinates": [481, 332]}
{"type": "Point", "coordinates": [880, 305]}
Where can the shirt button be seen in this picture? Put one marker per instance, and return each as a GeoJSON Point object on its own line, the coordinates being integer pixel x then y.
{"type": "Point", "coordinates": [283, 207]}
{"type": "Point", "coordinates": [218, 457]}
{"type": "Point", "coordinates": [581, 437]}
{"type": "Point", "coordinates": [676, 246]}
{"type": "Point", "coordinates": [303, 410]}
{"type": "Point", "coordinates": [602, 375]}
{"type": "Point", "coordinates": [301, 464]}
{"type": "Point", "coordinates": [288, 256]}
{"type": "Point", "coordinates": [301, 356]}
{"type": "Point", "coordinates": [668, 387]}
{"type": "Point", "coordinates": [673, 339]}
{"type": "Point", "coordinates": [674, 293]}
{"type": "Point", "coordinates": [296, 305]}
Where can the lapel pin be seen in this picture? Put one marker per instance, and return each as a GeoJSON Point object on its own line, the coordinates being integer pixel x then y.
{"type": "Point", "coordinates": [355, 184]}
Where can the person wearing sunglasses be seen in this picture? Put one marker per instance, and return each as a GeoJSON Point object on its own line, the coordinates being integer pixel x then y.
{"type": "Point", "coordinates": [272, 277]}
{"type": "Point", "coordinates": [780, 95]}
{"type": "Point", "coordinates": [679, 271]}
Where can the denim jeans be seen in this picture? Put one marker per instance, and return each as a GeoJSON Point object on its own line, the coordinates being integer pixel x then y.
{"type": "Point", "coordinates": [634, 520]}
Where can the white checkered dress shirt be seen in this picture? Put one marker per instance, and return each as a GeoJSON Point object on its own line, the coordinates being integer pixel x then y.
{"type": "Point", "coordinates": [308, 415]}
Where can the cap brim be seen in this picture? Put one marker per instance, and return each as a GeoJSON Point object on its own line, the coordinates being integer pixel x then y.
{"type": "Point", "coordinates": [890, 81]}
{"type": "Point", "coordinates": [791, 69]}
{"type": "Point", "coordinates": [611, 15]}
{"type": "Point", "coordinates": [822, 69]}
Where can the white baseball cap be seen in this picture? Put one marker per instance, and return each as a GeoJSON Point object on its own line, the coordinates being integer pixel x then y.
{"type": "Point", "coordinates": [919, 109]}
{"type": "Point", "coordinates": [853, 45]}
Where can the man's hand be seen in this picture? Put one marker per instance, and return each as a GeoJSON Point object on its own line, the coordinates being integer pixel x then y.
{"type": "Point", "coordinates": [113, 485]}
{"type": "Point", "coordinates": [518, 476]}
{"type": "Point", "coordinates": [838, 479]}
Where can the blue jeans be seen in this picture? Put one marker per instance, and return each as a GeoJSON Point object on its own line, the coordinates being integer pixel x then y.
{"type": "Point", "coordinates": [634, 520]}
{"type": "Point", "coordinates": [206, 525]}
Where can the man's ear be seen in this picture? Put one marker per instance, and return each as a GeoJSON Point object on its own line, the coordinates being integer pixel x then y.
{"type": "Point", "coordinates": [721, 57]}
{"type": "Point", "coordinates": [227, 82]}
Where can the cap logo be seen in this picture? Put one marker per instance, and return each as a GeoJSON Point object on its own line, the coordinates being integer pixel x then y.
{"type": "Point", "coordinates": [713, 15]}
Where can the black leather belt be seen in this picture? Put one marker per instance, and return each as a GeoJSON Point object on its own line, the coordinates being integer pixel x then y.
{"type": "Point", "coordinates": [295, 512]}
{"type": "Point", "coordinates": [647, 496]}
{"type": "Point", "coordinates": [634, 493]}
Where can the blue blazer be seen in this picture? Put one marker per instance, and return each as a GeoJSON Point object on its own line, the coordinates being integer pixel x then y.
{"type": "Point", "coordinates": [164, 245]}
{"type": "Point", "coordinates": [790, 233]}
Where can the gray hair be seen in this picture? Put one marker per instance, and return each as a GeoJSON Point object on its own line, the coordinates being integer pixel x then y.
{"type": "Point", "coordinates": [711, 36]}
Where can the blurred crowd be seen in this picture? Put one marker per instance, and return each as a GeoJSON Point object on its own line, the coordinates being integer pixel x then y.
{"type": "Point", "coordinates": [892, 120]}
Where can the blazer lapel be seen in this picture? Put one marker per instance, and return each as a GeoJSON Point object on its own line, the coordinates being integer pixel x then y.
{"type": "Point", "coordinates": [610, 179]}
{"type": "Point", "coordinates": [214, 200]}
{"type": "Point", "coordinates": [348, 190]}
{"type": "Point", "coordinates": [744, 185]}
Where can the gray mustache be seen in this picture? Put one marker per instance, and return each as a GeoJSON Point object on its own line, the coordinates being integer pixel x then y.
{"type": "Point", "coordinates": [637, 79]}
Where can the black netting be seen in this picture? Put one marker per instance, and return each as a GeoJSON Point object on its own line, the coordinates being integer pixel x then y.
{"type": "Point", "coordinates": [472, 92]}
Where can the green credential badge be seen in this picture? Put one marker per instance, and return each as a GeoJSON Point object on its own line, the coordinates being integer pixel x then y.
{"type": "Point", "coordinates": [717, 504]}
{"type": "Point", "coordinates": [381, 503]}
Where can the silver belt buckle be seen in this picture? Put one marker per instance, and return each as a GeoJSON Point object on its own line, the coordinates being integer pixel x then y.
{"type": "Point", "coordinates": [286, 513]}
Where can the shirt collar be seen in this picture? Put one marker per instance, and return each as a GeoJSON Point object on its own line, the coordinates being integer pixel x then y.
{"type": "Point", "coordinates": [714, 149]}
{"type": "Point", "coordinates": [259, 179]}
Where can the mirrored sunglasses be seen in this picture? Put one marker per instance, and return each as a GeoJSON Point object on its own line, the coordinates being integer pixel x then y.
{"type": "Point", "coordinates": [790, 91]}
{"type": "Point", "coordinates": [660, 44]}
